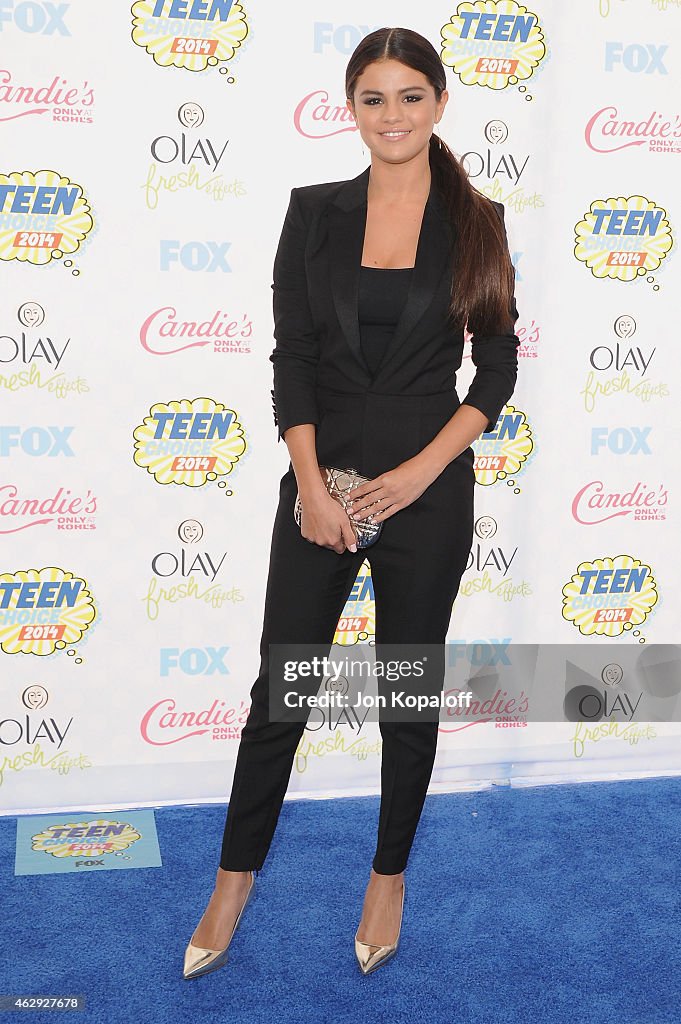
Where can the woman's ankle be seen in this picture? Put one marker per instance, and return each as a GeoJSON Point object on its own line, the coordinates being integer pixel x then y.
{"type": "Point", "coordinates": [389, 879]}
{"type": "Point", "coordinates": [225, 876]}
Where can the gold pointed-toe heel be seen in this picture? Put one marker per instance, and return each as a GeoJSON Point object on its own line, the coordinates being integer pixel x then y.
{"type": "Point", "coordinates": [198, 961]}
{"type": "Point", "coordinates": [371, 957]}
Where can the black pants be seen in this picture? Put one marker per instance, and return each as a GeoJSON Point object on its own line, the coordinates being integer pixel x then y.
{"type": "Point", "coordinates": [416, 567]}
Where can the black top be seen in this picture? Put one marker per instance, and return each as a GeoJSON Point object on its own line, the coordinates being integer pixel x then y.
{"type": "Point", "coordinates": [382, 294]}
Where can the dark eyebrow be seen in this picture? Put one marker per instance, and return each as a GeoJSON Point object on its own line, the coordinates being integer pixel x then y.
{"type": "Point", "coordinates": [376, 92]}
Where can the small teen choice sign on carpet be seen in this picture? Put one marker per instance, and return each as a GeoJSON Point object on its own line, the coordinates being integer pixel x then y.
{"type": "Point", "coordinates": [56, 844]}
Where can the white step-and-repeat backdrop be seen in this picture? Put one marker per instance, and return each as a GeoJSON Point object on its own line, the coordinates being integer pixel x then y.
{"type": "Point", "coordinates": [147, 151]}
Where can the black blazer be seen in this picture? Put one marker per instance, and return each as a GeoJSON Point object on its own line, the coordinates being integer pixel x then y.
{"type": "Point", "coordinates": [319, 372]}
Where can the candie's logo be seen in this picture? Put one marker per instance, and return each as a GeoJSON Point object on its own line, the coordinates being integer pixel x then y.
{"type": "Point", "coordinates": [191, 442]}
{"type": "Point", "coordinates": [608, 131]}
{"type": "Point", "coordinates": [66, 101]}
{"type": "Point", "coordinates": [43, 216]}
{"type": "Point", "coordinates": [623, 238]}
{"type": "Point", "coordinates": [319, 117]}
{"type": "Point", "coordinates": [493, 43]}
{"type": "Point", "coordinates": [163, 333]}
{"type": "Point", "coordinates": [610, 595]}
{"type": "Point", "coordinates": [501, 453]}
{"type": "Point", "coordinates": [43, 611]}
{"type": "Point", "coordinates": [21, 510]}
{"type": "Point", "coordinates": [190, 34]}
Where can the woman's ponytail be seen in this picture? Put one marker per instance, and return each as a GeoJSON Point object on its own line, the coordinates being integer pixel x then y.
{"type": "Point", "coordinates": [482, 279]}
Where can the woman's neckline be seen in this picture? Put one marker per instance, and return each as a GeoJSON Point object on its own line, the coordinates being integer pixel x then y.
{"type": "Point", "coordinates": [363, 267]}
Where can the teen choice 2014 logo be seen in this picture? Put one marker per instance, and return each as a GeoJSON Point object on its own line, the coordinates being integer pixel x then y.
{"type": "Point", "coordinates": [501, 453]}
{"type": "Point", "coordinates": [43, 216]}
{"type": "Point", "coordinates": [609, 595]}
{"type": "Point", "coordinates": [191, 441]}
{"type": "Point", "coordinates": [190, 34]}
{"type": "Point", "coordinates": [92, 838]}
{"type": "Point", "coordinates": [493, 43]}
{"type": "Point", "coordinates": [623, 238]}
{"type": "Point", "coordinates": [43, 611]}
{"type": "Point", "coordinates": [357, 623]}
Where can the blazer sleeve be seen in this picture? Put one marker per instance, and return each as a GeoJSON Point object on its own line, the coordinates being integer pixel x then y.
{"type": "Point", "coordinates": [296, 352]}
{"type": "Point", "coordinates": [495, 357]}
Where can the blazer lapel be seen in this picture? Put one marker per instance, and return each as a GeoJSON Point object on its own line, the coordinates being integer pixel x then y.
{"type": "Point", "coordinates": [346, 225]}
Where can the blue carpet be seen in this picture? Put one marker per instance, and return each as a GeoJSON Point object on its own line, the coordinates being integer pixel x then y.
{"type": "Point", "coordinates": [547, 905]}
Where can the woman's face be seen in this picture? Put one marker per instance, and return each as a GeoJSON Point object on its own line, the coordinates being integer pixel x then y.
{"type": "Point", "coordinates": [395, 108]}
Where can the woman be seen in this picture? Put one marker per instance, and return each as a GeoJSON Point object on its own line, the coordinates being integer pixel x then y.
{"type": "Point", "coordinates": [375, 279]}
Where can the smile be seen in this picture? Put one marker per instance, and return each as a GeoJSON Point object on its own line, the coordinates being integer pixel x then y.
{"type": "Point", "coordinates": [395, 135]}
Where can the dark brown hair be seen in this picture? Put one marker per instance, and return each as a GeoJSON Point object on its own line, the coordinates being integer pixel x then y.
{"type": "Point", "coordinates": [482, 283]}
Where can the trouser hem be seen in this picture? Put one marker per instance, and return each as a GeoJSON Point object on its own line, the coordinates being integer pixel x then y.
{"type": "Point", "coordinates": [393, 868]}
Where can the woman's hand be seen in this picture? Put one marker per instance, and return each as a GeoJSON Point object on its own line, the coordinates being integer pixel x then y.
{"type": "Point", "coordinates": [325, 522]}
{"type": "Point", "coordinates": [380, 498]}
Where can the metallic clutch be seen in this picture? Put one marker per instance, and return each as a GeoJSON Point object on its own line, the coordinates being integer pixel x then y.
{"type": "Point", "coordinates": [338, 482]}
